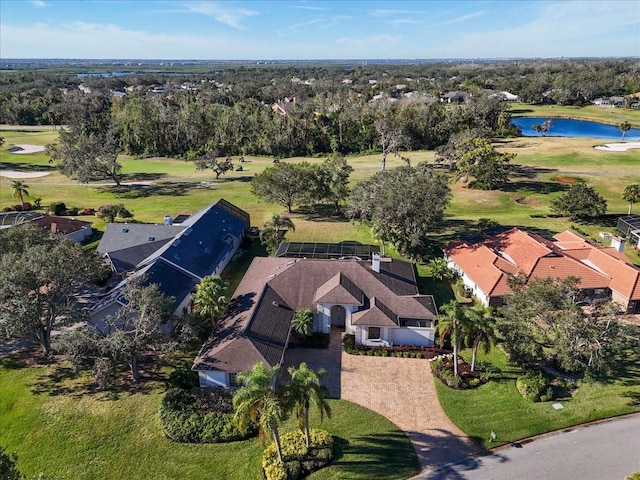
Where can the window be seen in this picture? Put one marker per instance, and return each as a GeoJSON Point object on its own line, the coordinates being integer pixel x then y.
{"type": "Point", "coordinates": [374, 333]}
{"type": "Point", "coordinates": [233, 382]}
{"type": "Point", "coordinates": [415, 322]}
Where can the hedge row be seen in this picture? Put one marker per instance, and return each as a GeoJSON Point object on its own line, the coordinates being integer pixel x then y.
{"type": "Point", "coordinates": [200, 416]}
{"type": "Point", "coordinates": [401, 351]}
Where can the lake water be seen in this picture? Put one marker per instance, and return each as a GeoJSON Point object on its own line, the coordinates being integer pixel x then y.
{"type": "Point", "coordinates": [565, 127]}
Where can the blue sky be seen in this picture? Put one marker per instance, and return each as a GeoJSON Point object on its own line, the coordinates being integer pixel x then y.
{"type": "Point", "coordinates": [318, 29]}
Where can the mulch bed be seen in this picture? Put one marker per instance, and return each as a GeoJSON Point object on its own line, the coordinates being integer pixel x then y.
{"type": "Point", "coordinates": [467, 378]}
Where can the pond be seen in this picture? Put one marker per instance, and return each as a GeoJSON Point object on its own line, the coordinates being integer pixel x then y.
{"type": "Point", "coordinates": [566, 127]}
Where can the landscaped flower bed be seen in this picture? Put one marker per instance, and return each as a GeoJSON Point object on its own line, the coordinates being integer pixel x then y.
{"type": "Point", "coordinates": [443, 369]}
{"type": "Point", "coordinates": [400, 351]}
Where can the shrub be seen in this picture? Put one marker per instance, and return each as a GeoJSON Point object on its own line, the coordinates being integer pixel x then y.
{"type": "Point", "coordinates": [349, 343]}
{"type": "Point", "coordinates": [6, 209]}
{"type": "Point", "coordinates": [298, 461]}
{"type": "Point", "coordinates": [184, 379]}
{"type": "Point", "coordinates": [200, 416]}
{"type": "Point", "coordinates": [21, 207]}
{"type": "Point", "coordinates": [73, 211]}
{"type": "Point", "coordinates": [88, 211]}
{"type": "Point", "coordinates": [57, 208]}
{"type": "Point", "coordinates": [533, 386]}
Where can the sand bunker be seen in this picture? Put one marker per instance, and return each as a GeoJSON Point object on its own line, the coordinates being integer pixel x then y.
{"type": "Point", "coordinates": [15, 174]}
{"type": "Point", "coordinates": [618, 147]}
{"type": "Point", "coordinates": [26, 148]}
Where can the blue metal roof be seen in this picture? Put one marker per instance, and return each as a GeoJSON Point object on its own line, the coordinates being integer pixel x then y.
{"type": "Point", "coordinates": [200, 248]}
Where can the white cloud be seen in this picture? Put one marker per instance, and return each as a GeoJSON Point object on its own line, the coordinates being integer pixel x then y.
{"type": "Point", "coordinates": [298, 26]}
{"type": "Point", "coordinates": [309, 7]}
{"type": "Point", "coordinates": [222, 12]}
{"type": "Point", "coordinates": [89, 40]}
{"type": "Point", "coordinates": [39, 3]}
{"type": "Point", "coordinates": [577, 28]}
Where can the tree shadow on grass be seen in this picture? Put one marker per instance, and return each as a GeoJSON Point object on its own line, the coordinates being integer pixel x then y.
{"type": "Point", "coordinates": [63, 379]}
{"type": "Point", "coordinates": [376, 455]}
{"type": "Point", "coordinates": [172, 189]}
{"type": "Point", "coordinates": [241, 178]}
{"type": "Point", "coordinates": [321, 213]}
{"type": "Point", "coordinates": [27, 167]}
{"type": "Point", "coordinates": [142, 177]}
{"type": "Point", "coordinates": [528, 171]}
{"type": "Point", "coordinates": [533, 187]}
{"type": "Point", "coordinates": [634, 398]}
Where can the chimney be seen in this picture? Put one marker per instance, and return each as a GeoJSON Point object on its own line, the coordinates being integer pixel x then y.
{"type": "Point", "coordinates": [617, 243]}
{"type": "Point", "coordinates": [375, 262]}
{"type": "Point", "coordinates": [168, 220]}
{"type": "Point", "coordinates": [54, 227]}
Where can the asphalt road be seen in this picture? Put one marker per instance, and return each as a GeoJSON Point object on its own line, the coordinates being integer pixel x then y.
{"type": "Point", "coordinates": [605, 451]}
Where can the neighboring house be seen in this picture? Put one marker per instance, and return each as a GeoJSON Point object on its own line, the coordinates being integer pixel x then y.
{"type": "Point", "coordinates": [602, 271]}
{"type": "Point", "coordinates": [456, 97]}
{"type": "Point", "coordinates": [629, 225]}
{"type": "Point", "coordinates": [609, 101]}
{"type": "Point", "coordinates": [505, 96]}
{"type": "Point", "coordinates": [176, 257]}
{"type": "Point", "coordinates": [76, 230]}
{"type": "Point", "coordinates": [285, 106]}
{"type": "Point", "coordinates": [377, 301]}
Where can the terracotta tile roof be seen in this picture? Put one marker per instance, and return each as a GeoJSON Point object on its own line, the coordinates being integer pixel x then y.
{"type": "Point", "coordinates": [523, 248]}
{"type": "Point", "coordinates": [565, 267]}
{"type": "Point", "coordinates": [488, 263]}
{"type": "Point", "coordinates": [481, 264]}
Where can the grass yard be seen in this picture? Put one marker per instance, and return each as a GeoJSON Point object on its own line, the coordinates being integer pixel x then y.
{"type": "Point", "coordinates": [497, 406]}
{"type": "Point", "coordinates": [58, 427]}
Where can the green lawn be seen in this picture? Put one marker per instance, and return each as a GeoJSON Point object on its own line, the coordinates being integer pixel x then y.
{"type": "Point", "coordinates": [58, 427]}
{"type": "Point", "coordinates": [497, 406]}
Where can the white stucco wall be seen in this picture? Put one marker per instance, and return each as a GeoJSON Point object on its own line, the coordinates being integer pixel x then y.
{"type": "Point", "coordinates": [469, 283]}
{"type": "Point", "coordinates": [420, 337]}
{"type": "Point", "coordinates": [213, 378]}
{"type": "Point", "coordinates": [322, 321]}
{"type": "Point", "coordinates": [80, 235]}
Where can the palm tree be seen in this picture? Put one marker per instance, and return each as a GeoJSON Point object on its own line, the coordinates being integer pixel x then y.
{"type": "Point", "coordinates": [279, 223]}
{"type": "Point", "coordinates": [451, 321]}
{"type": "Point", "coordinates": [275, 229]}
{"type": "Point", "coordinates": [20, 190]}
{"type": "Point", "coordinates": [210, 300]}
{"type": "Point", "coordinates": [480, 330]}
{"type": "Point", "coordinates": [624, 128]}
{"type": "Point", "coordinates": [631, 194]}
{"type": "Point", "coordinates": [302, 322]}
{"type": "Point", "coordinates": [257, 401]}
{"type": "Point", "coordinates": [304, 389]}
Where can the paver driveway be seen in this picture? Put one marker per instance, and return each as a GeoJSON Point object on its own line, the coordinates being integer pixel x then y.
{"type": "Point", "coordinates": [400, 389]}
{"type": "Point", "coordinates": [403, 390]}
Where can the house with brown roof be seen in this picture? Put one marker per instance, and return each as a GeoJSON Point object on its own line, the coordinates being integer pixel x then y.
{"type": "Point", "coordinates": [284, 107]}
{"type": "Point", "coordinates": [456, 97]}
{"type": "Point", "coordinates": [377, 301]}
{"type": "Point", "coordinates": [602, 271]}
{"type": "Point", "coordinates": [76, 230]}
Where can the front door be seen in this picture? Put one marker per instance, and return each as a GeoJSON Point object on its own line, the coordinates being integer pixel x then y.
{"type": "Point", "coordinates": [338, 316]}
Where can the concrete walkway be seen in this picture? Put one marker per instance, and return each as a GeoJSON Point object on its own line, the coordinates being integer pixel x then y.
{"type": "Point", "coordinates": [400, 389]}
